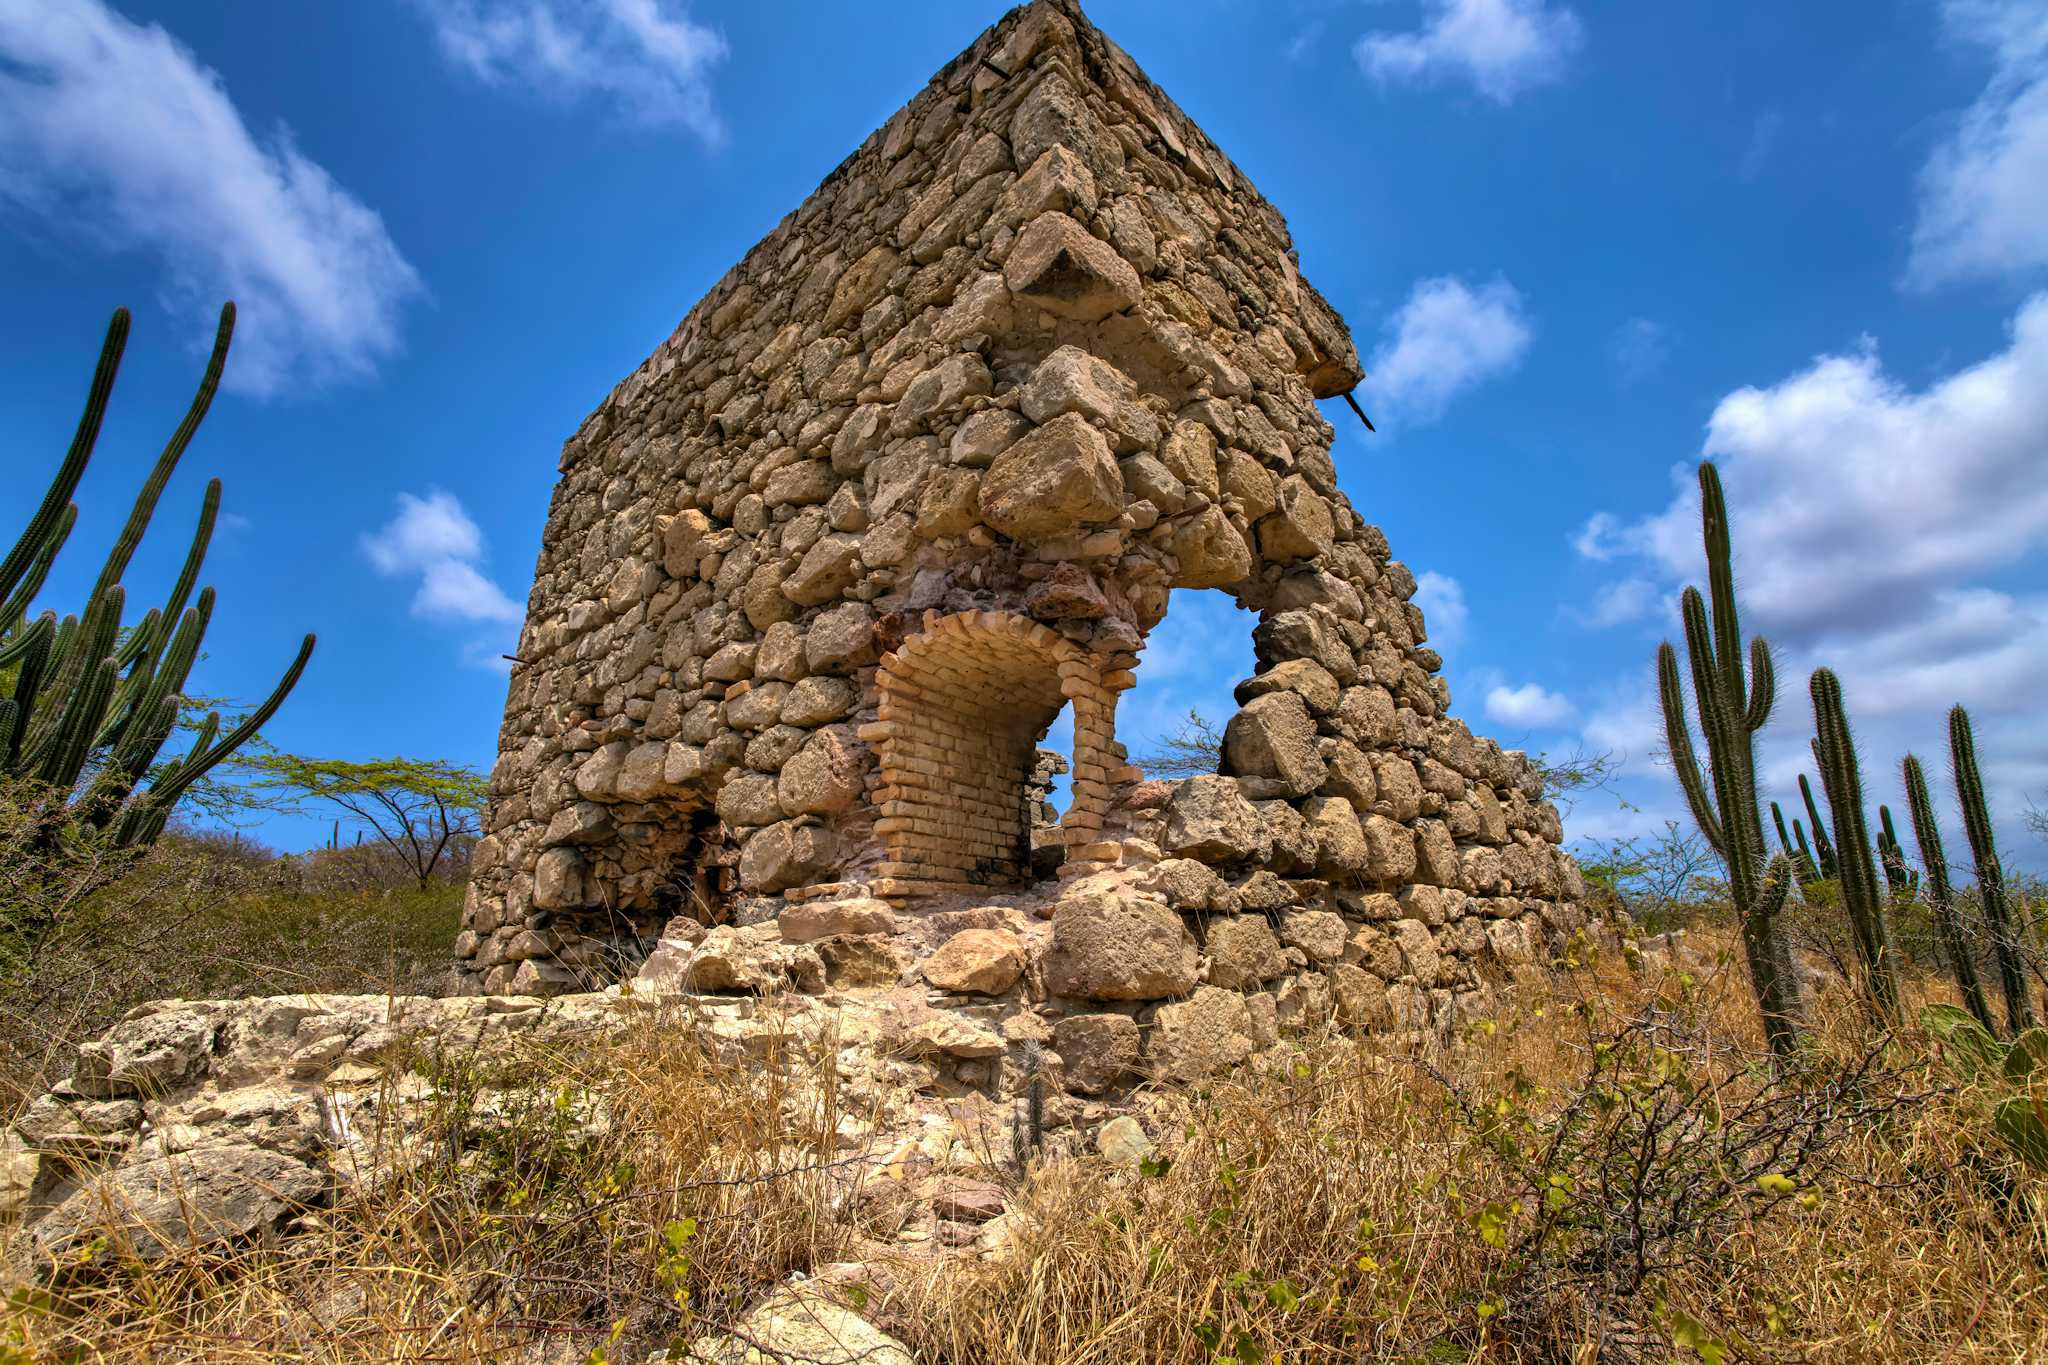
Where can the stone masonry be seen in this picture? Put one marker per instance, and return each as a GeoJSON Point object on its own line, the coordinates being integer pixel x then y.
{"type": "Point", "coordinates": [917, 474]}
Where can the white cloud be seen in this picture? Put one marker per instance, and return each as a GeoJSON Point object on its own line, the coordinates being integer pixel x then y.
{"type": "Point", "coordinates": [1503, 47]}
{"type": "Point", "coordinates": [1641, 346]}
{"type": "Point", "coordinates": [1983, 206]}
{"type": "Point", "coordinates": [1445, 339]}
{"type": "Point", "coordinates": [1627, 599]}
{"type": "Point", "coordinates": [1866, 517]}
{"type": "Point", "coordinates": [1442, 600]}
{"type": "Point", "coordinates": [435, 539]}
{"type": "Point", "coordinates": [647, 57]}
{"type": "Point", "coordinates": [113, 135]}
{"type": "Point", "coordinates": [1529, 705]}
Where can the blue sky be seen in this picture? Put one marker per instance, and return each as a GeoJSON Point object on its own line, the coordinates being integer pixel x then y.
{"type": "Point", "coordinates": [1579, 247]}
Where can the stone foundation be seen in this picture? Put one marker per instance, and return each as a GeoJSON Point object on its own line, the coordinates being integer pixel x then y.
{"type": "Point", "coordinates": [920, 472]}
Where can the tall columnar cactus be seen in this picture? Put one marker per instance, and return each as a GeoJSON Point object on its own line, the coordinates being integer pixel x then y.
{"type": "Point", "coordinates": [1732, 709]}
{"type": "Point", "coordinates": [90, 709]}
{"type": "Point", "coordinates": [1940, 896]}
{"type": "Point", "coordinates": [1891, 856]}
{"type": "Point", "coordinates": [1823, 850]}
{"type": "Point", "coordinates": [1842, 780]}
{"type": "Point", "coordinates": [1795, 848]}
{"type": "Point", "coordinates": [2005, 948]}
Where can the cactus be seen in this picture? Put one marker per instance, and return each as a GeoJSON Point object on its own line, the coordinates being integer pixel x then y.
{"type": "Point", "coordinates": [1730, 713]}
{"type": "Point", "coordinates": [1824, 851]}
{"type": "Point", "coordinates": [1795, 849]}
{"type": "Point", "coordinates": [2017, 1070]}
{"type": "Point", "coordinates": [90, 708]}
{"type": "Point", "coordinates": [2005, 948]}
{"type": "Point", "coordinates": [1842, 780]}
{"type": "Point", "coordinates": [1903, 883]}
{"type": "Point", "coordinates": [1927, 834]}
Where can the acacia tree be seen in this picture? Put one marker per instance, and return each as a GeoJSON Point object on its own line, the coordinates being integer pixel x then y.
{"type": "Point", "coordinates": [420, 808]}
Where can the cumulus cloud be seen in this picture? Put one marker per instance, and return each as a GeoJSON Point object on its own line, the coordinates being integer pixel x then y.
{"type": "Point", "coordinates": [1530, 705]}
{"type": "Point", "coordinates": [1503, 47]}
{"type": "Point", "coordinates": [434, 539]}
{"type": "Point", "coordinates": [1442, 600]}
{"type": "Point", "coordinates": [1983, 201]}
{"type": "Point", "coordinates": [113, 136]}
{"type": "Point", "coordinates": [1868, 515]}
{"type": "Point", "coordinates": [648, 58]}
{"type": "Point", "coordinates": [1447, 338]}
{"type": "Point", "coordinates": [1627, 599]}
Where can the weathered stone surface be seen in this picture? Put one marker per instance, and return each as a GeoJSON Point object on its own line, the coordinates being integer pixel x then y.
{"type": "Point", "coordinates": [1200, 1036]}
{"type": "Point", "coordinates": [812, 920]}
{"type": "Point", "coordinates": [823, 778]}
{"type": "Point", "coordinates": [1113, 948]}
{"type": "Point", "coordinates": [980, 961]}
{"type": "Point", "coordinates": [1208, 552]}
{"type": "Point", "coordinates": [798, 1323]}
{"type": "Point", "coordinates": [1098, 1050]}
{"type": "Point", "coordinates": [1122, 1141]}
{"type": "Point", "coordinates": [1390, 849]}
{"type": "Point", "coordinates": [1056, 265]}
{"type": "Point", "coordinates": [1056, 479]}
{"type": "Point", "coordinates": [1209, 819]}
{"type": "Point", "coordinates": [1273, 737]}
{"type": "Point", "coordinates": [194, 1199]}
{"type": "Point", "coordinates": [1341, 850]}
{"type": "Point", "coordinates": [1243, 954]}
{"type": "Point", "coordinates": [1319, 933]}
{"type": "Point", "coordinates": [786, 854]}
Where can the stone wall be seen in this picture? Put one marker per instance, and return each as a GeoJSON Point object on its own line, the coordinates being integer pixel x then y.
{"type": "Point", "coordinates": [919, 472]}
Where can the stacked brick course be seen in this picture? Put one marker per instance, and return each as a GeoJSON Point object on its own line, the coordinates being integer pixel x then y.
{"type": "Point", "coordinates": [923, 469]}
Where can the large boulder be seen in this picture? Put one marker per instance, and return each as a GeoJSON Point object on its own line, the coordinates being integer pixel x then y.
{"type": "Point", "coordinates": [1201, 1036]}
{"type": "Point", "coordinates": [977, 961]}
{"type": "Point", "coordinates": [1273, 737]}
{"type": "Point", "coordinates": [1209, 819]}
{"type": "Point", "coordinates": [1058, 266]}
{"type": "Point", "coordinates": [788, 853]}
{"type": "Point", "coordinates": [1057, 479]}
{"type": "Point", "coordinates": [1208, 552]}
{"type": "Point", "coordinates": [149, 1209]}
{"type": "Point", "coordinates": [1096, 1050]}
{"type": "Point", "coordinates": [1107, 947]}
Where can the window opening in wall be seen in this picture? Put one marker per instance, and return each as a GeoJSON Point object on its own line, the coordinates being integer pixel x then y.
{"type": "Point", "coordinates": [1172, 720]}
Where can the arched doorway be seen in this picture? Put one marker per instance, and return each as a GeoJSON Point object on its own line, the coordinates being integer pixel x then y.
{"type": "Point", "coordinates": [962, 706]}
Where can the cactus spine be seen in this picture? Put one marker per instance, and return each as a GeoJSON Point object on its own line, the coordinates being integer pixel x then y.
{"type": "Point", "coordinates": [1962, 748]}
{"type": "Point", "coordinates": [1824, 851]}
{"type": "Point", "coordinates": [89, 707]}
{"type": "Point", "coordinates": [1927, 834]}
{"type": "Point", "coordinates": [1903, 883]}
{"type": "Point", "coordinates": [1731, 711]}
{"type": "Point", "coordinates": [1842, 780]}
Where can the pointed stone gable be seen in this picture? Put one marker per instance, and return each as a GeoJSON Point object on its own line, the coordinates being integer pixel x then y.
{"type": "Point", "coordinates": [918, 474]}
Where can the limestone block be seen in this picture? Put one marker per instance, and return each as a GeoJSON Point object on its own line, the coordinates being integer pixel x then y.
{"type": "Point", "coordinates": [1436, 854]}
{"type": "Point", "coordinates": [757, 708]}
{"type": "Point", "coordinates": [1418, 950]}
{"type": "Point", "coordinates": [1057, 479]}
{"type": "Point", "coordinates": [1366, 715]}
{"type": "Point", "coordinates": [1400, 791]}
{"type": "Point", "coordinates": [1243, 954]}
{"type": "Point", "coordinates": [1209, 552]}
{"type": "Point", "coordinates": [1070, 593]}
{"type": "Point", "coordinates": [818, 701]}
{"type": "Point", "coordinates": [597, 777]}
{"type": "Point", "coordinates": [779, 656]}
{"type": "Point", "coordinates": [950, 504]}
{"type": "Point", "coordinates": [1186, 884]}
{"type": "Point", "coordinates": [984, 436]}
{"type": "Point", "coordinates": [1305, 677]}
{"type": "Point", "coordinates": [1319, 933]}
{"type": "Point", "coordinates": [558, 880]}
{"type": "Point", "coordinates": [192, 1199]}
{"type": "Point", "coordinates": [814, 920]}
{"type": "Point", "coordinates": [1299, 527]}
{"type": "Point", "coordinates": [750, 800]}
{"type": "Point", "coordinates": [1058, 180]}
{"type": "Point", "coordinates": [1246, 480]}
{"type": "Point", "coordinates": [1350, 775]}
{"type": "Point", "coordinates": [828, 569]}
{"type": "Point", "coordinates": [1360, 998]}
{"type": "Point", "coordinates": [1340, 840]}
{"type": "Point", "coordinates": [1273, 737]}
{"type": "Point", "coordinates": [1209, 819]}
{"type": "Point", "coordinates": [977, 961]}
{"type": "Point", "coordinates": [1306, 633]}
{"type": "Point", "coordinates": [642, 776]}
{"type": "Point", "coordinates": [823, 779]}
{"type": "Point", "coordinates": [1058, 266]}
{"type": "Point", "coordinates": [1190, 453]}
{"type": "Point", "coordinates": [1108, 947]}
{"type": "Point", "coordinates": [841, 640]}
{"type": "Point", "coordinates": [1055, 115]}
{"type": "Point", "coordinates": [940, 390]}
{"type": "Point", "coordinates": [1096, 1051]}
{"type": "Point", "coordinates": [787, 854]}
{"type": "Point", "coordinates": [860, 285]}
{"type": "Point", "coordinates": [1198, 1037]}
{"type": "Point", "coordinates": [1072, 380]}
{"type": "Point", "coordinates": [1390, 849]}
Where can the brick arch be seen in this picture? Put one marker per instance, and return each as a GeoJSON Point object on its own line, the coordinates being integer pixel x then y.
{"type": "Point", "coordinates": [961, 707]}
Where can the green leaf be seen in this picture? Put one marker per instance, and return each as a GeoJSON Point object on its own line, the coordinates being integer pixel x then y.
{"type": "Point", "coordinates": [1281, 1294]}
{"type": "Point", "coordinates": [1966, 1040]}
{"type": "Point", "coordinates": [1153, 1167]}
{"type": "Point", "coordinates": [1774, 1183]}
{"type": "Point", "coordinates": [2027, 1055]}
{"type": "Point", "coordinates": [2022, 1123]}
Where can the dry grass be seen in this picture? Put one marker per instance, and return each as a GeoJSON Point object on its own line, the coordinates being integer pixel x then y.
{"type": "Point", "coordinates": [1608, 1174]}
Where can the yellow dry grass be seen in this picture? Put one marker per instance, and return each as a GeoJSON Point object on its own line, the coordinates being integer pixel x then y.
{"type": "Point", "coordinates": [1341, 1200]}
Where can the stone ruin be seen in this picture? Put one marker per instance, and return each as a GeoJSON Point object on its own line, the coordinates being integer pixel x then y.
{"type": "Point", "coordinates": [918, 473]}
